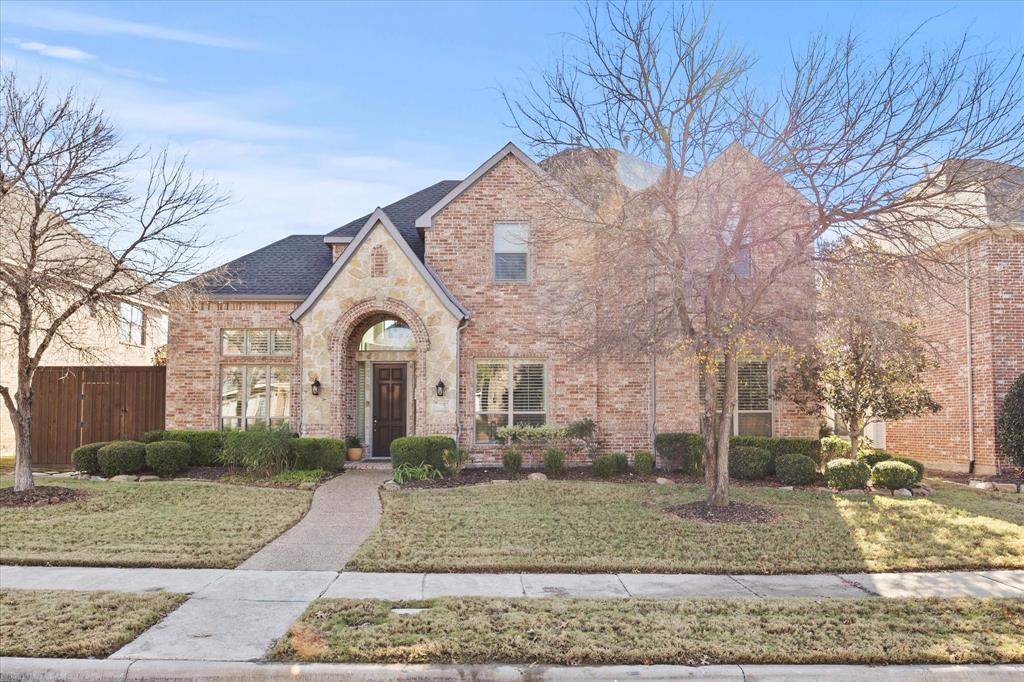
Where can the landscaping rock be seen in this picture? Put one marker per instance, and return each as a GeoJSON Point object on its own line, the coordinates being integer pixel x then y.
{"type": "Point", "coordinates": [662, 481]}
{"type": "Point", "coordinates": [982, 485]}
{"type": "Point", "coordinates": [902, 492]}
{"type": "Point", "coordinates": [309, 485]}
{"type": "Point", "coordinates": [1006, 487]}
{"type": "Point", "coordinates": [786, 487]}
{"type": "Point", "coordinates": [95, 478]}
{"type": "Point", "coordinates": [125, 477]}
{"type": "Point", "coordinates": [66, 474]}
{"type": "Point", "coordinates": [499, 481]}
{"type": "Point", "coordinates": [390, 486]}
{"type": "Point", "coordinates": [921, 491]}
{"type": "Point", "coordinates": [149, 478]}
{"type": "Point", "coordinates": [853, 492]}
{"type": "Point", "coordinates": [537, 476]}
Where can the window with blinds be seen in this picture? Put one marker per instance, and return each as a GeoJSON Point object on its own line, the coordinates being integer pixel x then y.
{"type": "Point", "coordinates": [256, 342]}
{"type": "Point", "coordinates": [753, 414]}
{"type": "Point", "coordinates": [510, 252]}
{"type": "Point", "coordinates": [509, 392]}
{"type": "Point", "coordinates": [255, 397]}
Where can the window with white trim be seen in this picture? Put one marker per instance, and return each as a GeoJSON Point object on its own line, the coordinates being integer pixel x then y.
{"type": "Point", "coordinates": [753, 413]}
{"type": "Point", "coordinates": [256, 342]}
{"type": "Point", "coordinates": [509, 392]}
{"type": "Point", "coordinates": [510, 252]}
{"type": "Point", "coordinates": [743, 264]}
{"type": "Point", "coordinates": [132, 324]}
{"type": "Point", "coordinates": [255, 396]}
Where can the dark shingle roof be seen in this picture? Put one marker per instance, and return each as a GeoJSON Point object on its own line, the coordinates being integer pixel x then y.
{"type": "Point", "coordinates": [403, 214]}
{"type": "Point", "coordinates": [289, 267]}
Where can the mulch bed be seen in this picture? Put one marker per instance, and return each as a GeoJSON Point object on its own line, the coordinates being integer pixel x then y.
{"type": "Point", "coordinates": [735, 512]}
{"type": "Point", "coordinates": [579, 473]}
{"type": "Point", "coordinates": [40, 496]}
{"type": "Point", "coordinates": [961, 477]}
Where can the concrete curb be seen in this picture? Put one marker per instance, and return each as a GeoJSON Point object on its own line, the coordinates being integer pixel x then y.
{"type": "Point", "coordinates": [51, 669]}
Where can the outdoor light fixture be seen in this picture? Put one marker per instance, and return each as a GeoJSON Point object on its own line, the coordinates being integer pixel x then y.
{"type": "Point", "coordinates": [315, 387]}
{"type": "Point", "coordinates": [440, 388]}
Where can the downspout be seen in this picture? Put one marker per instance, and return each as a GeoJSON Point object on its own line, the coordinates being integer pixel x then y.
{"type": "Point", "coordinates": [458, 380]}
{"type": "Point", "coordinates": [970, 364]}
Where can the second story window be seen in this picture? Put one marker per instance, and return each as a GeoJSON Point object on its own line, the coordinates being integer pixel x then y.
{"type": "Point", "coordinates": [132, 324]}
{"type": "Point", "coordinates": [256, 342]}
{"type": "Point", "coordinates": [510, 255]}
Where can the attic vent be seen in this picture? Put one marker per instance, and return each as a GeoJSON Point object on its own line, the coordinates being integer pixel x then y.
{"type": "Point", "coordinates": [379, 261]}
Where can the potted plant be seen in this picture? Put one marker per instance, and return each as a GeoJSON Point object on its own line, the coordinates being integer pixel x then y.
{"type": "Point", "coordinates": [355, 448]}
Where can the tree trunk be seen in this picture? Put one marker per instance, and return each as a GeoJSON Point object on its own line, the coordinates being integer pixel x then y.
{"type": "Point", "coordinates": [23, 443]}
{"type": "Point", "coordinates": [855, 435]}
{"type": "Point", "coordinates": [717, 432]}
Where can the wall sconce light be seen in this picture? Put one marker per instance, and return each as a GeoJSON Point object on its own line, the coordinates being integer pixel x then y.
{"type": "Point", "coordinates": [439, 388]}
{"type": "Point", "coordinates": [315, 387]}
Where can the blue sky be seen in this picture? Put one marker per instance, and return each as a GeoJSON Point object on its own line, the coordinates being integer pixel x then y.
{"type": "Point", "coordinates": [311, 114]}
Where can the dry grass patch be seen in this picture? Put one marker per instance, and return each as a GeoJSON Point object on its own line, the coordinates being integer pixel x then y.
{"type": "Point", "coordinates": [69, 624]}
{"type": "Point", "coordinates": [660, 631]}
{"type": "Point", "coordinates": [567, 526]}
{"type": "Point", "coordinates": [166, 524]}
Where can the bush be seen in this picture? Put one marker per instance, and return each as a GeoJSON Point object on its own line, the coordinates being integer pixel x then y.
{"type": "Point", "coordinates": [455, 459]}
{"type": "Point", "coordinates": [414, 472]}
{"type": "Point", "coordinates": [416, 450]}
{"type": "Point", "coordinates": [893, 475]}
{"type": "Point", "coordinates": [918, 467]}
{"type": "Point", "coordinates": [873, 457]}
{"type": "Point", "coordinates": [834, 447]}
{"type": "Point", "coordinates": [554, 461]}
{"type": "Point", "coordinates": [749, 463]}
{"type": "Point", "coordinates": [121, 457]}
{"type": "Point", "coordinates": [512, 462]}
{"type": "Point", "coordinates": [683, 450]}
{"type": "Point", "coordinates": [84, 458]}
{"type": "Point", "coordinates": [776, 447]}
{"type": "Point", "coordinates": [1010, 427]}
{"type": "Point", "coordinates": [796, 469]}
{"type": "Point", "coordinates": [614, 464]}
{"type": "Point", "coordinates": [260, 452]}
{"type": "Point", "coordinates": [206, 446]}
{"type": "Point", "coordinates": [846, 474]}
{"type": "Point", "coordinates": [643, 463]}
{"type": "Point", "coordinates": [317, 453]}
{"type": "Point", "coordinates": [168, 457]}
{"type": "Point", "coordinates": [686, 450]}
{"type": "Point", "coordinates": [524, 433]}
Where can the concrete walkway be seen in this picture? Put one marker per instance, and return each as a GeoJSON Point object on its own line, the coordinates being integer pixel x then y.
{"type": "Point", "coordinates": [344, 512]}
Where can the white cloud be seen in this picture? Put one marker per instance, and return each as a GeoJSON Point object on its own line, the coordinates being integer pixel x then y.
{"type": "Point", "coordinates": [55, 51]}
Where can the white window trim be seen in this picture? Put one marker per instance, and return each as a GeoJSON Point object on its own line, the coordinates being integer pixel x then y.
{"type": "Point", "coordinates": [509, 363]}
{"type": "Point", "coordinates": [737, 411]}
{"type": "Point", "coordinates": [271, 331]}
{"type": "Point", "coordinates": [495, 252]}
{"type": "Point", "coordinates": [143, 336]}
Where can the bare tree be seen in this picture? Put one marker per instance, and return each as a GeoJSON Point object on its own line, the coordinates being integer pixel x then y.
{"type": "Point", "coordinates": [75, 235]}
{"type": "Point", "coordinates": [738, 187]}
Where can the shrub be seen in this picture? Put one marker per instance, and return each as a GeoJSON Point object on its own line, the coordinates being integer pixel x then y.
{"type": "Point", "coordinates": [846, 474]}
{"type": "Point", "coordinates": [260, 452]}
{"type": "Point", "coordinates": [795, 469]}
{"type": "Point", "coordinates": [643, 463]}
{"type": "Point", "coordinates": [168, 457]}
{"type": "Point", "coordinates": [918, 467]}
{"type": "Point", "coordinates": [512, 462]}
{"type": "Point", "coordinates": [581, 429]}
{"type": "Point", "coordinates": [893, 475]}
{"type": "Point", "coordinates": [524, 433]}
{"type": "Point", "coordinates": [405, 472]}
{"type": "Point", "coordinates": [873, 457]}
{"type": "Point", "coordinates": [834, 447]}
{"type": "Point", "coordinates": [206, 446]}
{"type": "Point", "coordinates": [776, 447]}
{"type": "Point", "coordinates": [455, 460]}
{"type": "Point", "coordinates": [121, 457]}
{"type": "Point", "coordinates": [614, 464]}
{"type": "Point", "coordinates": [554, 461]}
{"type": "Point", "coordinates": [683, 450]}
{"type": "Point", "coordinates": [84, 458]}
{"type": "Point", "coordinates": [1010, 427]}
{"type": "Point", "coordinates": [416, 450]}
{"type": "Point", "coordinates": [749, 463]}
{"type": "Point", "coordinates": [317, 453]}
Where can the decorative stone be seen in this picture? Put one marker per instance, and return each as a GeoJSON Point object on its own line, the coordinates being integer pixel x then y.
{"type": "Point", "coordinates": [786, 487]}
{"type": "Point", "coordinates": [1005, 487]}
{"type": "Point", "coordinates": [537, 476]}
{"type": "Point", "coordinates": [982, 485]}
{"type": "Point", "coordinates": [921, 491]}
{"type": "Point", "coordinates": [499, 481]}
{"type": "Point", "coordinates": [66, 474]}
{"type": "Point", "coordinates": [149, 478]}
{"type": "Point", "coordinates": [310, 485]}
{"type": "Point", "coordinates": [662, 480]}
{"type": "Point", "coordinates": [852, 492]}
{"type": "Point", "coordinates": [124, 477]}
{"type": "Point", "coordinates": [390, 486]}
{"type": "Point", "coordinates": [902, 492]}
{"type": "Point", "coordinates": [96, 478]}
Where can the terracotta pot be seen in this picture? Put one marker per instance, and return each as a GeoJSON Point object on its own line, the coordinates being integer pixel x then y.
{"type": "Point", "coordinates": [355, 454]}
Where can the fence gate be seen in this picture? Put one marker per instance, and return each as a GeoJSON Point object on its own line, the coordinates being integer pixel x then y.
{"type": "Point", "coordinates": [73, 406]}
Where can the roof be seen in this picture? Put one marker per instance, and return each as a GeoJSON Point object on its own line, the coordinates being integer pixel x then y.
{"type": "Point", "coordinates": [1002, 183]}
{"type": "Point", "coordinates": [290, 267]}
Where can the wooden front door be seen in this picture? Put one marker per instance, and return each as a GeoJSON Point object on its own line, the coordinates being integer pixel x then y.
{"type": "Point", "coordinates": [388, 407]}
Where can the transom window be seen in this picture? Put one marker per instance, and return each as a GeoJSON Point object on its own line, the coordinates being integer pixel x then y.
{"type": "Point", "coordinates": [388, 335]}
{"type": "Point", "coordinates": [132, 324]}
{"type": "Point", "coordinates": [509, 392]}
{"type": "Point", "coordinates": [510, 253]}
{"type": "Point", "coordinates": [255, 396]}
{"type": "Point", "coordinates": [753, 415]}
{"type": "Point", "coordinates": [256, 341]}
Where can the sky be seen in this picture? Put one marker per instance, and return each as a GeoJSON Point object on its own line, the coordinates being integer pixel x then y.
{"type": "Point", "coordinates": [311, 114]}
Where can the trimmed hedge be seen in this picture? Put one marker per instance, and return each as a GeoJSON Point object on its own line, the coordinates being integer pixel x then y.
{"type": "Point", "coordinates": [206, 446]}
{"type": "Point", "coordinates": [416, 450]}
{"type": "Point", "coordinates": [263, 452]}
{"type": "Point", "coordinates": [317, 453]}
{"type": "Point", "coordinates": [873, 457]}
{"type": "Point", "coordinates": [893, 475]}
{"type": "Point", "coordinates": [84, 458]}
{"type": "Point", "coordinates": [643, 463]}
{"type": "Point", "coordinates": [683, 450]}
{"type": "Point", "coordinates": [776, 447]}
{"type": "Point", "coordinates": [168, 457]}
{"type": "Point", "coordinates": [846, 474]}
{"type": "Point", "coordinates": [686, 450]}
{"type": "Point", "coordinates": [121, 457]}
{"type": "Point", "coordinates": [918, 467]}
{"type": "Point", "coordinates": [749, 463]}
{"type": "Point", "coordinates": [795, 469]}
{"type": "Point", "coordinates": [554, 461]}
{"type": "Point", "coordinates": [834, 447]}
{"type": "Point", "coordinates": [614, 464]}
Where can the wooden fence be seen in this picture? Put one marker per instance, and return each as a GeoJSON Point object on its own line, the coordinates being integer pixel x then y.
{"type": "Point", "coordinates": [73, 406]}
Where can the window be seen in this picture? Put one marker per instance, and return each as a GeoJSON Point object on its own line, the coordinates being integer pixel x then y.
{"type": "Point", "coordinates": [133, 322]}
{"type": "Point", "coordinates": [388, 335]}
{"type": "Point", "coordinates": [510, 240]}
{"type": "Point", "coordinates": [509, 392]}
{"type": "Point", "coordinates": [254, 396]}
{"type": "Point", "coordinates": [743, 263]}
{"type": "Point", "coordinates": [753, 415]}
{"type": "Point", "coordinates": [256, 341]}
{"type": "Point", "coordinates": [162, 326]}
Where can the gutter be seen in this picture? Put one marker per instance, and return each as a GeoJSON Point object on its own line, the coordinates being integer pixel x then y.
{"type": "Point", "coordinates": [970, 364]}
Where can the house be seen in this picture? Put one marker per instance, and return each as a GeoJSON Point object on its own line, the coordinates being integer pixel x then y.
{"type": "Point", "coordinates": [428, 316]}
{"type": "Point", "coordinates": [976, 325]}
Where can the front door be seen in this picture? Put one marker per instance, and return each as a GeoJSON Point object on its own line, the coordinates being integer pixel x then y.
{"type": "Point", "coordinates": [388, 407]}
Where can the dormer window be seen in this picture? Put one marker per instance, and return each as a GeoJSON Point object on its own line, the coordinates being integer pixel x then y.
{"type": "Point", "coordinates": [510, 254]}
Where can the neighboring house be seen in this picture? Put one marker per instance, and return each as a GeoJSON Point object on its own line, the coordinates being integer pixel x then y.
{"type": "Point", "coordinates": [428, 316]}
{"type": "Point", "coordinates": [977, 327]}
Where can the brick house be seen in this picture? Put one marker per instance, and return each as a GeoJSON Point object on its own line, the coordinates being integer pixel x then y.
{"type": "Point", "coordinates": [426, 317]}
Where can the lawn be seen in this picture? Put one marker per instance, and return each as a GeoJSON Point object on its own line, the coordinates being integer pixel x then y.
{"type": "Point", "coordinates": [68, 624]}
{"type": "Point", "coordinates": [177, 524]}
{"type": "Point", "coordinates": [662, 631]}
{"type": "Point", "coordinates": [586, 527]}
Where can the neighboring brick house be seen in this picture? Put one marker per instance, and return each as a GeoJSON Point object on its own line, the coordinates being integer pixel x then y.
{"type": "Point", "coordinates": [977, 327]}
{"type": "Point", "coordinates": [427, 316]}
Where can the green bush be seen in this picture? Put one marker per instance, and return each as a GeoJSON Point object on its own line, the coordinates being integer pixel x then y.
{"type": "Point", "coordinates": [643, 463]}
{"type": "Point", "coordinates": [846, 474]}
{"type": "Point", "coordinates": [554, 461]}
{"type": "Point", "coordinates": [749, 463]}
{"type": "Point", "coordinates": [84, 458]}
{"type": "Point", "coordinates": [525, 433]}
{"type": "Point", "coordinates": [686, 450]}
{"type": "Point", "coordinates": [121, 457]}
{"type": "Point", "coordinates": [776, 447]}
{"type": "Point", "coordinates": [873, 457]}
{"type": "Point", "coordinates": [893, 475]}
{"type": "Point", "coordinates": [918, 467]}
{"type": "Point", "coordinates": [416, 450]}
{"type": "Point", "coordinates": [317, 453]}
{"type": "Point", "coordinates": [260, 452]}
{"type": "Point", "coordinates": [206, 446]}
{"type": "Point", "coordinates": [1010, 426]}
{"type": "Point", "coordinates": [795, 469]}
{"type": "Point", "coordinates": [683, 450]}
{"type": "Point", "coordinates": [455, 460]}
{"type": "Point", "coordinates": [614, 464]}
{"type": "Point", "coordinates": [834, 447]}
{"type": "Point", "coordinates": [168, 457]}
{"type": "Point", "coordinates": [512, 462]}
{"type": "Point", "coordinates": [405, 472]}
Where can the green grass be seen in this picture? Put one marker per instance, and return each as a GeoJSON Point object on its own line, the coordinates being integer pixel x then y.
{"type": "Point", "coordinates": [563, 526]}
{"type": "Point", "coordinates": [659, 631]}
{"type": "Point", "coordinates": [68, 624]}
{"type": "Point", "coordinates": [178, 524]}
